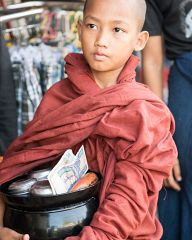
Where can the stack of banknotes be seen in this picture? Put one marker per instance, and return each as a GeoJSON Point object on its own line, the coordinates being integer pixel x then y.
{"type": "Point", "coordinates": [68, 171]}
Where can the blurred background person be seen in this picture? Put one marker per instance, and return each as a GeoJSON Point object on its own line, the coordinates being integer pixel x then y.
{"type": "Point", "coordinates": [170, 26]}
{"type": "Point", "coordinates": [8, 112]}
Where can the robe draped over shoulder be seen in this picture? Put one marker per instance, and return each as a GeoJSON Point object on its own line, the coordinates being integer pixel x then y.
{"type": "Point", "coordinates": [127, 134]}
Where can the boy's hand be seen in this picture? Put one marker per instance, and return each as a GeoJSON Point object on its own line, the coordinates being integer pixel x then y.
{"type": "Point", "coordinates": [8, 234]}
{"type": "Point", "coordinates": [173, 180]}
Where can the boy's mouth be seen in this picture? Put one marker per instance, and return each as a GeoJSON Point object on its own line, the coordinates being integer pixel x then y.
{"type": "Point", "coordinates": [99, 56]}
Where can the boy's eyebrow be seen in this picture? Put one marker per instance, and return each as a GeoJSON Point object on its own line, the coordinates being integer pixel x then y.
{"type": "Point", "coordinates": [113, 21]}
{"type": "Point", "coordinates": [93, 18]}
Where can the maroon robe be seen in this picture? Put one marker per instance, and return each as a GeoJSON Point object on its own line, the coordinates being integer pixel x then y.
{"type": "Point", "coordinates": [127, 134]}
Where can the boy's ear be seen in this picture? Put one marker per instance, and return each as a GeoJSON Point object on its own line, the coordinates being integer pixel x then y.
{"type": "Point", "coordinates": [141, 40]}
{"type": "Point", "coordinates": [79, 26]}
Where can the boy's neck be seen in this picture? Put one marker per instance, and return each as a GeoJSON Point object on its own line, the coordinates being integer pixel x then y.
{"type": "Point", "coordinates": [106, 79]}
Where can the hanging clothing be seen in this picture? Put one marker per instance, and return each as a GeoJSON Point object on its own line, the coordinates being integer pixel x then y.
{"type": "Point", "coordinates": [127, 135]}
{"type": "Point", "coordinates": [35, 70]}
{"type": "Point", "coordinates": [27, 83]}
{"type": "Point", "coordinates": [8, 113]}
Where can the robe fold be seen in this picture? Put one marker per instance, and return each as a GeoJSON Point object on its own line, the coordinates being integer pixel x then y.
{"type": "Point", "coordinates": [127, 134]}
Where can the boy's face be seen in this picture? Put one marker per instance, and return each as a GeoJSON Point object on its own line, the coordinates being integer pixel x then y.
{"type": "Point", "coordinates": [109, 33]}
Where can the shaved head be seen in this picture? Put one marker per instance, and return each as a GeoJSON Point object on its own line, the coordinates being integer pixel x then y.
{"type": "Point", "coordinates": [138, 5]}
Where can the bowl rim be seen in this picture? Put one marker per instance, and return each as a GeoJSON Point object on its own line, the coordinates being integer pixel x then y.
{"type": "Point", "coordinates": [28, 194]}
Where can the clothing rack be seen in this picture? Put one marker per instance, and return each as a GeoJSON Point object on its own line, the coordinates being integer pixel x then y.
{"type": "Point", "coordinates": [25, 9]}
{"type": "Point", "coordinates": [21, 7]}
{"type": "Point", "coordinates": [40, 35]}
{"type": "Point", "coordinates": [63, 1]}
{"type": "Point", "coordinates": [33, 4]}
{"type": "Point", "coordinates": [20, 28]}
{"type": "Point", "coordinates": [13, 16]}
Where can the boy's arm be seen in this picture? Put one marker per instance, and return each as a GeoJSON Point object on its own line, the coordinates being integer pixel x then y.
{"type": "Point", "coordinates": [152, 64]}
{"type": "Point", "coordinates": [152, 71]}
{"type": "Point", "coordinates": [143, 158]}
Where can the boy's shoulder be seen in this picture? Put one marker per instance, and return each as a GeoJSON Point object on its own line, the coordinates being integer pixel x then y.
{"type": "Point", "coordinates": [141, 92]}
{"type": "Point", "coordinates": [141, 100]}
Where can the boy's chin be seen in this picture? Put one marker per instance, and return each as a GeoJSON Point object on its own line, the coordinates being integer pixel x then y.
{"type": "Point", "coordinates": [100, 67]}
{"type": "Point", "coordinates": [100, 70]}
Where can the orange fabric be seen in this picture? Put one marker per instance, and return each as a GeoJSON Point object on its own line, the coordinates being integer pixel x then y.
{"type": "Point", "coordinates": [127, 134]}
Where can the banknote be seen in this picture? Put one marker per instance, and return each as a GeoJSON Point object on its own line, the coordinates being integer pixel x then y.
{"type": "Point", "coordinates": [68, 170]}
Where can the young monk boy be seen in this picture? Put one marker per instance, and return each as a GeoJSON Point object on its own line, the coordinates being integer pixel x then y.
{"type": "Point", "coordinates": [125, 129]}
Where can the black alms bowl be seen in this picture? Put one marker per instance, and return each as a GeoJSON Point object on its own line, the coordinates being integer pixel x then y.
{"type": "Point", "coordinates": [49, 217]}
{"type": "Point", "coordinates": [51, 224]}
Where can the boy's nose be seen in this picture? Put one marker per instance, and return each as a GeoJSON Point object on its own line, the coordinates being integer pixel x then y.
{"type": "Point", "coordinates": [101, 41]}
{"type": "Point", "coordinates": [100, 44]}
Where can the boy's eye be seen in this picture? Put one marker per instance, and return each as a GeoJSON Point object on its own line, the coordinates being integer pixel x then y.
{"type": "Point", "coordinates": [91, 26]}
{"type": "Point", "coordinates": [118, 29]}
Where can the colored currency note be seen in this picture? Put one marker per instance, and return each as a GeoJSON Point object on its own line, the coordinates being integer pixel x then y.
{"type": "Point", "coordinates": [67, 171]}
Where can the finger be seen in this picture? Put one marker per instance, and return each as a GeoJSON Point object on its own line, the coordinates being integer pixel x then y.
{"type": "Point", "coordinates": [177, 171]}
{"type": "Point", "coordinates": [165, 184]}
{"type": "Point", "coordinates": [26, 237]}
{"type": "Point", "coordinates": [172, 183]}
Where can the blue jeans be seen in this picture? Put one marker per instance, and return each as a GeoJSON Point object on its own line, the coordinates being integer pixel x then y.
{"type": "Point", "coordinates": [175, 208]}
